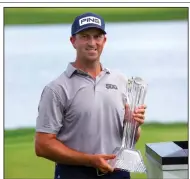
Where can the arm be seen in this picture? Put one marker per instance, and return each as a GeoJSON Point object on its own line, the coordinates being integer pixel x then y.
{"type": "Point", "coordinates": [49, 121]}
{"type": "Point", "coordinates": [47, 146]}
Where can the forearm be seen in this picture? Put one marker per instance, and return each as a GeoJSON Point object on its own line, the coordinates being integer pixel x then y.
{"type": "Point", "coordinates": [55, 151]}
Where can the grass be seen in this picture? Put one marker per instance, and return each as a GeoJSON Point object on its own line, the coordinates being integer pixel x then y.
{"type": "Point", "coordinates": [21, 162]}
{"type": "Point", "coordinates": [66, 15]}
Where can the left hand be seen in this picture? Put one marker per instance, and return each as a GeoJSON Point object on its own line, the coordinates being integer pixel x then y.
{"type": "Point", "coordinates": [138, 115]}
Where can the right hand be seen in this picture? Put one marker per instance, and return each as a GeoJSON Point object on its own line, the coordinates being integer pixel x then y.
{"type": "Point", "coordinates": [99, 161]}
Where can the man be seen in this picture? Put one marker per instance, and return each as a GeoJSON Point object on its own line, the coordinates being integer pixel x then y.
{"type": "Point", "coordinates": [81, 113]}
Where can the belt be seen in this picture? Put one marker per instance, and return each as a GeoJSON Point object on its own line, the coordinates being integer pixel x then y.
{"type": "Point", "coordinates": [99, 173]}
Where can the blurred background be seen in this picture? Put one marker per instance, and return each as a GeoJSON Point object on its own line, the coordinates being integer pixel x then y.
{"type": "Point", "coordinates": [147, 42]}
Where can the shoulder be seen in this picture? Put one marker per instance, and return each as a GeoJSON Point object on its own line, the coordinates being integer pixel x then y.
{"type": "Point", "coordinates": [57, 87]}
{"type": "Point", "coordinates": [59, 82]}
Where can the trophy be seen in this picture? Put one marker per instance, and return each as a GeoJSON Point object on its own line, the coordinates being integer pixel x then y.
{"type": "Point", "coordinates": [127, 157]}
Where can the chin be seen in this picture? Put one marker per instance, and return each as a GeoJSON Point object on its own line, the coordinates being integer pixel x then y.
{"type": "Point", "coordinates": [92, 59]}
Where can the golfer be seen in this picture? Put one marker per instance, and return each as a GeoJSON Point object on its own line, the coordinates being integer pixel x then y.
{"type": "Point", "coordinates": [81, 112]}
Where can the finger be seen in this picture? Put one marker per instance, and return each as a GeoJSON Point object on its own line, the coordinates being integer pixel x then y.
{"type": "Point", "coordinates": [143, 106]}
{"type": "Point", "coordinates": [126, 106]}
{"type": "Point", "coordinates": [107, 157]}
{"type": "Point", "coordinates": [126, 109]}
{"type": "Point", "coordinates": [141, 111]}
{"type": "Point", "coordinates": [108, 168]}
{"type": "Point", "coordinates": [140, 121]}
{"type": "Point", "coordinates": [140, 116]}
{"type": "Point", "coordinates": [103, 170]}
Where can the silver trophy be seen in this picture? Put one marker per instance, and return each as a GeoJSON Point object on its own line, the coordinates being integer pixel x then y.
{"type": "Point", "coordinates": [127, 157]}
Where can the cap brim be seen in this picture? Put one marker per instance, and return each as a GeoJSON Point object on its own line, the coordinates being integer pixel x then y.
{"type": "Point", "coordinates": [88, 27]}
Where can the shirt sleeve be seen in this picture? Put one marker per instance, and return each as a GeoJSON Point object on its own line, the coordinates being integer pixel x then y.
{"type": "Point", "coordinates": [50, 112]}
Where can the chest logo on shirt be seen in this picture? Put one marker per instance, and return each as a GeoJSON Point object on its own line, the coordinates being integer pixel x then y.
{"type": "Point", "coordinates": [110, 86]}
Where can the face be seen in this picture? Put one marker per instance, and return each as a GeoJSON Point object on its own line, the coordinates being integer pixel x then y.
{"type": "Point", "coordinates": [89, 44]}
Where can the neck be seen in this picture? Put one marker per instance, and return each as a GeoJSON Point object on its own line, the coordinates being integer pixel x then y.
{"type": "Point", "coordinates": [92, 68]}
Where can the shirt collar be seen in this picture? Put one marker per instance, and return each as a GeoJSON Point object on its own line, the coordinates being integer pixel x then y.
{"type": "Point", "coordinates": [71, 70]}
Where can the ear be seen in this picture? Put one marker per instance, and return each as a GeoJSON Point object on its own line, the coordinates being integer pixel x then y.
{"type": "Point", "coordinates": [72, 40]}
{"type": "Point", "coordinates": [105, 39]}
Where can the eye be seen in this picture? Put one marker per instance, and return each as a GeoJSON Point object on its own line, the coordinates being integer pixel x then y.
{"type": "Point", "coordinates": [98, 36]}
{"type": "Point", "coordinates": [84, 36]}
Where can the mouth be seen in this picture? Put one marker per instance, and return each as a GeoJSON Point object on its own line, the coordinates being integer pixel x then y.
{"type": "Point", "coordinates": [91, 49]}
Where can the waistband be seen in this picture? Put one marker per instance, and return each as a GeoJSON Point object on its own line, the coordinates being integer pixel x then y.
{"type": "Point", "coordinates": [85, 169]}
{"type": "Point", "coordinates": [89, 171]}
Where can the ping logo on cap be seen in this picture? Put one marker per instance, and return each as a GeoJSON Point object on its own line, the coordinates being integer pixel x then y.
{"type": "Point", "coordinates": [89, 20]}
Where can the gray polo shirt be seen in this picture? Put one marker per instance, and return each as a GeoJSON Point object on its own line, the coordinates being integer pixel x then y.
{"type": "Point", "coordinates": [86, 114]}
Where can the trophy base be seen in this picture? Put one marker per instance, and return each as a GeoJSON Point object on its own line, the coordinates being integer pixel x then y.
{"type": "Point", "coordinates": [128, 159]}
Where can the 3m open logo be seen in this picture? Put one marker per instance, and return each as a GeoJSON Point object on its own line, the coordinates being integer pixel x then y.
{"type": "Point", "coordinates": [89, 20]}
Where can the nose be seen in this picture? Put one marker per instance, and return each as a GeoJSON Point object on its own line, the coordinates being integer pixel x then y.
{"type": "Point", "coordinates": [91, 41]}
